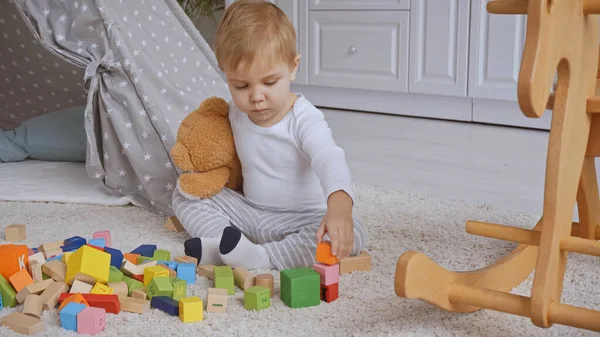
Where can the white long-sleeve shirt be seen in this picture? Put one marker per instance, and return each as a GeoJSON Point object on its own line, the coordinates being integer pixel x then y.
{"type": "Point", "coordinates": [294, 164]}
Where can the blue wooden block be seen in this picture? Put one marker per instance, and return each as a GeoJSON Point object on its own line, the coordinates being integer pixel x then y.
{"type": "Point", "coordinates": [1, 305]}
{"type": "Point", "coordinates": [35, 250]}
{"type": "Point", "coordinates": [170, 264]}
{"type": "Point", "coordinates": [187, 272]}
{"type": "Point", "coordinates": [73, 243]}
{"type": "Point", "coordinates": [145, 250]}
{"type": "Point", "coordinates": [166, 304]}
{"type": "Point", "coordinates": [68, 315]}
{"type": "Point", "coordinates": [99, 242]}
{"type": "Point", "coordinates": [116, 256]}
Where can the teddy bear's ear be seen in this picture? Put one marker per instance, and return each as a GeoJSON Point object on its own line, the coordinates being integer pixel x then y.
{"type": "Point", "coordinates": [214, 106]}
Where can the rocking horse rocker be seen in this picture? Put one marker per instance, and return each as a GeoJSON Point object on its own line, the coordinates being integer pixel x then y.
{"type": "Point", "coordinates": [562, 37]}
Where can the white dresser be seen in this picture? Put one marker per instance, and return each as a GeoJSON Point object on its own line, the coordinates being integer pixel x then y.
{"type": "Point", "coordinates": [447, 59]}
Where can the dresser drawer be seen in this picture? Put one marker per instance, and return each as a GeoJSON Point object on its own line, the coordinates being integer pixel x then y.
{"type": "Point", "coordinates": [361, 50]}
{"type": "Point", "coordinates": [359, 4]}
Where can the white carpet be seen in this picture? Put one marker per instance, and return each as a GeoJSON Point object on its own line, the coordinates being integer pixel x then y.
{"type": "Point", "coordinates": [397, 221]}
{"type": "Point", "coordinates": [64, 182]}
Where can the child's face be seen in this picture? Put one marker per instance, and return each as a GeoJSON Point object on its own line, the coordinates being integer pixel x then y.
{"type": "Point", "coordinates": [263, 90]}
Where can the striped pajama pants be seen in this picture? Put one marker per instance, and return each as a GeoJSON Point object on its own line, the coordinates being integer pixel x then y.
{"type": "Point", "coordinates": [289, 236]}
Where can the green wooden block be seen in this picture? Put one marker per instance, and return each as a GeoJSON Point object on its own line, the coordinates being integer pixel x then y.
{"type": "Point", "coordinates": [45, 277]}
{"type": "Point", "coordinates": [115, 275]}
{"type": "Point", "coordinates": [179, 288]}
{"type": "Point", "coordinates": [142, 259]}
{"type": "Point", "coordinates": [300, 287]}
{"type": "Point", "coordinates": [159, 286]}
{"type": "Point", "coordinates": [257, 298]}
{"type": "Point", "coordinates": [132, 284]}
{"type": "Point", "coordinates": [161, 255]}
{"type": "Point", "coordinates": [8, 293]}
{"type": "Point", "coordinates": [224, 278]}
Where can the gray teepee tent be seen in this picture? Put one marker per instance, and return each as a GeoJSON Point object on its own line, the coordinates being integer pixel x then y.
{"type": "Point", "coordinates": [138, 66]}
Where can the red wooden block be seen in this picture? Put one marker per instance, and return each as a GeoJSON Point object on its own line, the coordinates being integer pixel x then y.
{"type": "Point", "coordinates": [329, 293]}
{"type": "Point", "coordinates": [139, 278]}
{"type": "Point", "coordinates": [110, 302]}
{"type": "Point", "coordinates": [99, 248]}
{"type": "Point", "coordinates": [14, 258]}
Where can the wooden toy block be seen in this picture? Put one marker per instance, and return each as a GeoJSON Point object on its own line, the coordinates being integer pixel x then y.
{"type": "Point", "coordinates": [145, 250]}
{"type": "Point", "coordinates": [101, 289]}
{"type": "Point", "coordinates": [300, 287]}
{"type": "Point", "coordinates": [257, 298]}
{"type": "Point", "coordinates": [20, 280]}
{"type": "Point", "coordinates": [89, 265]}
{"type": "Point", "coordinates": [171, 264]}
{"type": "Point", "coordinates": [173, 224]}
{"type": "Point", "coordinates": [187, 259]}
{"type": "Point", "coordinates": [55, 269]}
{"type": "Point", "coordinates": [191, 309]}
{"type": "Point", "coordinates": [74, 298]}
{"type": "Point", "coordinates": [81, 287]}
{"type": "Point", "coordinates": [140, 293]}
{"type": "Point", "coordinates": [52, 293]}
{"type": "Point", "coordinates": [73, 243]}
{"type": "Point", "coordinates": [142, 259]}
{"type": "Point", "coordinates": [120, 288]}
{"type": "Point", "coordinates": [139, 278]}
{"type": "Point", "coordinates": [91, 320]}
{"type": "Point", "coordinates": [105, 235]}
{"type": "Point", "coordinates": [14, 258]}
{"type": "Point", "coordinates": [39, 287]}
{"type": "Point", "coordinates": [152, 272]}
{"type": "Point", "coordinates": [131, 257]}
{"type": "Point", "coordinates": [132, 284]}
{"type": "Point", "coordinates": [15, 233]}
{"type": "Point", "coordinates": [361, 262]}
{"type": "Point", "coordinates": [324, 254]}
{"type": "Point", "coordinates": [116, 257]}
{"type": "Point", "coordinates": [329, 273]}
{"type": "Point", "coordinates": [52, 253]}
{"type": "Point", "coordinates": [23, 324]}
{"type": "Point", "coordinates": [187, 272]}
{"type": "Point", "coordinates": [68, 315]}
{"type": "Point", "coordinates": [159, 286]}
{"type": "Point", "coordinates": [99, 242]}
{"type": "Point", "coordinates": [161, 254]}
{"type": "Point", "coordinates": [33, 306]}
{"type": "Point", "coordinates": [165, 304]}
{"type": "Point", "coordinates": [179, 288]}
{"type": "Point", "coordinates": [172, 273]}
{"type": "Point", "coordinates": [329, 293]}
{"type": "Point", "coordinates": [243, 278]}
{"type": "Point", "coordinates": [22, 295]}
{"type": "Point", "coordinates": [1, 305]}
{"type": "Point", "coordinates": [35, 270]}
{"type": "Point", "coordinates": [217, 300]}
{"type": "Point", "coordinates": [132, 304]}
{"type": "Point", "coordinates": [109, 302]}
{"type": "Point", "coordinates": [224, 278]}
{"type": "Point", "coordinates": [39, 257]}
{"type": "Point", "coordinates": [114, 274]}
{"type": "Point", "coordinates": [267, 281]}
{"type": "Point", "coordinates": [129, 268]}
{"type": "Point", "coordinates": [50, 246]}
{"type": "Point", "coordinates": [206, 271]}
{"type": "Point", "coordinates": [9, 295]}
{"type": "Point", "coordinates": [65, 257]}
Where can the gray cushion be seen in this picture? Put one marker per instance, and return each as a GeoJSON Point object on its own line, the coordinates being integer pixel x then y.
{"type": "Point", "coordinates": [54, 136]}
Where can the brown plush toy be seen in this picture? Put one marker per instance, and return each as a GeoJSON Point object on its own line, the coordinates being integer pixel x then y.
{"type": "Point", "coordinates": [205, 149]}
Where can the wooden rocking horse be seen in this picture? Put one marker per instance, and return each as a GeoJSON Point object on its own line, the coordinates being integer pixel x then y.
{"type": "Point", "coordinates": [562, 37]}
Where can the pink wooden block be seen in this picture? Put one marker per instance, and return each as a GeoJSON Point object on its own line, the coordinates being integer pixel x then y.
{"type": "Point", "coordinates": [31, 252]}
{"type": "Point", "coordinates": [329, 274]}
{"type": "Point", "coordinates": [91, 320]}
{"type": "Point", "coordinates": [105, 235]}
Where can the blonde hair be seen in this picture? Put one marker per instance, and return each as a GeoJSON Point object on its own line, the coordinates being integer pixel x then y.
{"type": "Point", "coordinates": [251, 29]}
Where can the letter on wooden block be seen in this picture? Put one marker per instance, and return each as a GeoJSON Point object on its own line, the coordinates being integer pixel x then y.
{"type": "Point", "coordinates": [257, 298]}
{"type": "Point", "coordinates": [217, 300]}
{"type": "Point", "coordinates": [14, 258]}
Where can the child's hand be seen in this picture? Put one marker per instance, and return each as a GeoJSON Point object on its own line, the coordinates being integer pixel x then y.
{"type": "Point", "coordinates": [339, 224]}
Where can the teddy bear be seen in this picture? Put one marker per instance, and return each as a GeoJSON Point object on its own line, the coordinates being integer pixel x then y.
{"type": "Point", "coordinates": [205, 149]}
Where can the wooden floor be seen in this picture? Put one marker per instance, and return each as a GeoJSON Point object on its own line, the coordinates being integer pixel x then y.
{"type": "Point", "coordinates": [500, 166]}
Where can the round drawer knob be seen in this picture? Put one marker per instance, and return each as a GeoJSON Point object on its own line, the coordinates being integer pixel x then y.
{"type": "Point", "coordinates": [353, 49]}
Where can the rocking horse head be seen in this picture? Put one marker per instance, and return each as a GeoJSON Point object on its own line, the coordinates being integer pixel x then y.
{"type": "Point", "coordinates": [555, 43]}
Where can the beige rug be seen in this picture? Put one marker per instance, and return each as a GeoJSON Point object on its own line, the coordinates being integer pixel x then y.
{"type": "Point", "coordinates": [397, 221]}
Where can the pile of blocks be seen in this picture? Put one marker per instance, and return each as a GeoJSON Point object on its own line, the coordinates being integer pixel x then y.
{"type": "Point", "coordinates": [87, 279]}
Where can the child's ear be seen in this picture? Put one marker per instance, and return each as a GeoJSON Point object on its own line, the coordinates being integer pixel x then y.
{"type": "Point", "coordinates": [295, 69]}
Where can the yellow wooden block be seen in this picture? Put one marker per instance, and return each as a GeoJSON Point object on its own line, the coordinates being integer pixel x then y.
{"type": "Point", "coordinates": [190, 309]}
{"type": "Point", "coordinates": [152, 272]}
{"type": "Point", "coordinates": [101, 289]}
{"type": "Point", "coordinates": [88, 263]}
{"type": "Point", "coordinates": [65, 257]}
